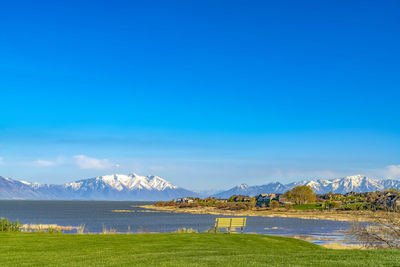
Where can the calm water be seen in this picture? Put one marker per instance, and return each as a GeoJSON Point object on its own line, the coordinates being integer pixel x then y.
{"type": "Point", "coordinates": [95, 214]}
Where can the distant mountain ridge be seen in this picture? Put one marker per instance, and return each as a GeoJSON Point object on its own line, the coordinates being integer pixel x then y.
{"type": "Point", "coordinates": [107, 187]}
{"type": "Point", "coordinates": [356, 183]}
{"type": "Point", "coordinates": [151, 188]}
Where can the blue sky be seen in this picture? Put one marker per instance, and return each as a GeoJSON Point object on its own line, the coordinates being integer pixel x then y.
{"type": "Point", "coordinates": [206, 94]}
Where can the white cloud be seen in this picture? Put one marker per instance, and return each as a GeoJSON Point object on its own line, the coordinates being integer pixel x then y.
{"type": "Point", "coordinates": [85, 162]}
{"type": "Point", "coordinates": [393, 171]}
{"type": "Point", "coordinates": [43, 163]}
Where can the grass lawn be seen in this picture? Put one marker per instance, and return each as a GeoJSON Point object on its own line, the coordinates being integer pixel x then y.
{"type": "Point", "coordinates": [40, 249]}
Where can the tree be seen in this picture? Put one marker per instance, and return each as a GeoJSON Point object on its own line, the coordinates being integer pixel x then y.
{"type": "Point", "coordinates": [383, 231]}
{"type": "Point", "coordinates": [301, 194]}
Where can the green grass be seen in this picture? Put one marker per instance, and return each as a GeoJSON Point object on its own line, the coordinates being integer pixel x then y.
{"type": "Point", "coordinates": [41, 249]}
{"type": "Point", "coordinates": [314, 206]}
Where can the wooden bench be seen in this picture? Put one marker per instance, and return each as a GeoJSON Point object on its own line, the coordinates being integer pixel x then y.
{"type": "Point", "coordinates": [230, 224]}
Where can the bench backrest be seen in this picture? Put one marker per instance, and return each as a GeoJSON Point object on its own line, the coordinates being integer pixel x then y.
{"type": "Point", "coordinates": [230, 223]}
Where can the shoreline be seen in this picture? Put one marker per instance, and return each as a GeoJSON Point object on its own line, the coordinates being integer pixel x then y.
{"type": "Point", "coordinates": [344, 216]}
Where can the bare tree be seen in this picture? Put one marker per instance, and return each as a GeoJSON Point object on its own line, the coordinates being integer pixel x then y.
{"type": "Point", "coordinates": [382, 230]}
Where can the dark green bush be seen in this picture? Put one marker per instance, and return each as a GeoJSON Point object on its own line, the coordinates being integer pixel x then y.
{"type": "Point", "coordinates": [358, 206]}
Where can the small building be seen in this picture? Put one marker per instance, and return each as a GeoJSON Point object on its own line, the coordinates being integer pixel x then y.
{"type": "Point", "coordinates": [263, 200]}
{"type": "Point", "coordinates": [184, 200]}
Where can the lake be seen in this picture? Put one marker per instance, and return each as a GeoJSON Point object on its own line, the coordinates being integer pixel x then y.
{"type": "Point", "coordinates": [98, 214]}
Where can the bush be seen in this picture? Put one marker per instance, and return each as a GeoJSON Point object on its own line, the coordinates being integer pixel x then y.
{"type": "Point", "coordinates": [358, 206]}
{"type": "Point", "coordinates": [203, 203]}
{"type": "Point", "coordinates": [274, 204]}
{"type": "Point", "coordinates": [288, 206]}
{"type": "Point", "coordinates": [212, 230]}
{"type": "Point", "coordinates": [331, 204]}
{"type": "Point", "coordinates": [188, 205]}
{"type": "Point", "coordinates": [8, 226]}
{"type": "Point", "coordinates": [165, 203]}
{"type": "Point", "coordinates": [186, 230]}
{"type": "Point", "coordinates": [52, 230]}
{"type": "Point", "coordinates": [234, 206]}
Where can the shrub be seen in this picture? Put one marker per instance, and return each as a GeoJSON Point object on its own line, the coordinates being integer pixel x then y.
{"type": "Point", "coordinates": [80, 229]}
{"type": "Point", "coordinates": [52, 230]}
{"type": "Point", "coordinates": [331, 204]}
{"type": "Point", "coordinates": [212, 230]}
{"type": "Point", "coordinates": [358, 206]}
{"type": "Point", "coordinates": [209, 203]}
{"type": "Point", "coordinates": [9, 226]}
{"type": "Point", "coordinates": [234, 206]}
{"type": "Point", "coordinates": [188, 205]}
{"type": "Point", "coordinates": [274, 204]}
{"type": "Point", "coordinates": [188, 231]}
{"type": "Point", "coordinates": [288, 206]}
{"type": "Point", "coordinates": [165, 203]}
{"type": "Point", "coordinates": [159, 204]}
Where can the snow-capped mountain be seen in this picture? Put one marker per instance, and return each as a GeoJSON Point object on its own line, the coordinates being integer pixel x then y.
{"type": "Point", "coordinates": [356, 183]}
{"type": "Point", "coordinates": [107, 187]}
{"type": "Point", "coordinates": [136, 187]}
{"type": "Point", "coordinates": [11, 189]}
{"type": "Point", "coordinates": [121, 182]}
{"type": "Point", "coordinates": [126, 187]}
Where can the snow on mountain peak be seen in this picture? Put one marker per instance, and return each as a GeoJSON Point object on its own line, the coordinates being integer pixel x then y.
{"type": "Point", "coordinates": [243, 186]}
{"type": "Point", "coordinates": [159, 183]}
{"type": "Point", "coordinates": [123, 182]}
{"type": "Point", "coordinates": [34, 185]}
{"type": "Point", "coordinates": [356, 183]}
{"type": "Point", "coordinates": [107, 187]}
{"type": "Point", "coordinates": [355, 178]}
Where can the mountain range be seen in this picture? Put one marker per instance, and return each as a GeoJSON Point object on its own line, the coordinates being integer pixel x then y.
{"type": "Point", "coordinates": [107, 187]}
{"type": "Point", "coordinates": [356, 183]}
{"type": "Point", "coordinates": [137, 187]}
